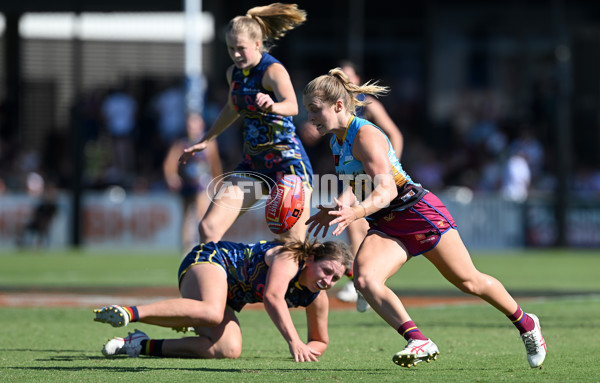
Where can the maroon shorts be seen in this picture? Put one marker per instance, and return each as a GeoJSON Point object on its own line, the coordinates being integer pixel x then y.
{"type": "Point", "coordinates": [419, 227]}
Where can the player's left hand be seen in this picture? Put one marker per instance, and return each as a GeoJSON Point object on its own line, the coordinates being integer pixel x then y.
{"type": "Point", "coordinates": [303, 353]}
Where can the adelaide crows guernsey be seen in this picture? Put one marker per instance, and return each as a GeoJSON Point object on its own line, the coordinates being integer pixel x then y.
{"type": "Point", "coordinates": [262, 130]}
{"type": "Point", "coordinates": [246, 271]}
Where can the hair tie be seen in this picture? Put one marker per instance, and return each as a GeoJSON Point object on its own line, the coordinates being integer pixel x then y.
{"type": "Point", "coordinates": [260, 22]}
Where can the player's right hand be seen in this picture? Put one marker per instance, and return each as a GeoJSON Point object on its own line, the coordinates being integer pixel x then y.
{"type": "Point", "coordinates": [320, 221]}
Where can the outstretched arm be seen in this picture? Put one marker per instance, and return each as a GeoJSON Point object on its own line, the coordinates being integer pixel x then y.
{"type": "Point", "coordinates": [316, 316]}
{"type": "Point", "coordinates": [281, 271]}
{"type": "Point", "coordinates": [226, 118]}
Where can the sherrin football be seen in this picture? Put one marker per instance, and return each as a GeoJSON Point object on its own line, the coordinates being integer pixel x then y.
{"type": "Point", "coordinates": [285, 204]}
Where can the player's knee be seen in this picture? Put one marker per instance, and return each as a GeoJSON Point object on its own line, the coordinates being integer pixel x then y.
{"type": "Point", "coordinates": [226, 348]}
{"type": "Point", "coordinates": [232, 350]}
{"type": "Point", "coordinates": [211, 318]}
{"type": "Point", "coordinates": [467, 287]}
{"type": "Point", "coordinates": [363, 282]}
{"type": "Point", "coordinates": [209, 231]}
{"type": "Point", "coordinates": [474, 286]}
{"type": "Point", "coordinates": [200, 315]}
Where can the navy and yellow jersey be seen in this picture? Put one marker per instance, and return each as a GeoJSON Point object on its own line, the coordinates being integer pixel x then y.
{"type": "Point", "coordinates": [352, 172]}
{"type": "Point", "coordinates": [246, 271]}
{"type": "Point", "coordinates": [262, 130]}
{"type": "Point", "coordinates": [270, 140]}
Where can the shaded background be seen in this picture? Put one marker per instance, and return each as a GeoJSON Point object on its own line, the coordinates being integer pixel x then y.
{"type": "Point", "coordinates": [472, 83]}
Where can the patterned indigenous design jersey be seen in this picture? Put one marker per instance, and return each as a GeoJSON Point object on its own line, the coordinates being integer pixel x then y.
{"type": "Point", "coordinates": [351, 171]}
{"type": "Point", "coordinates": [262, 131]}
{"type": "Point", "coordinates": [246, 272]}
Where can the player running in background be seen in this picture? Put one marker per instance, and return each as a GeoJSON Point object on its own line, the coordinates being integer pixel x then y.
{"type": "Point", "coordinates": [217, 279]}
{"type": "Point", "coordinates": [261, 93]}
{"type": "Point", "coordinates": [374, 111]}
{"type": "Point", "coordinates": [191, 179]}
{"type": "Point", "coordinates": [405, 220]}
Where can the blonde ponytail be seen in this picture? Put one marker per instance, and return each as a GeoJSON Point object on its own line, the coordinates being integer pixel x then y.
{"type": "Point", "coordinates": [268, 23]}
{"type": "Point", "coordinates": [336, 85]}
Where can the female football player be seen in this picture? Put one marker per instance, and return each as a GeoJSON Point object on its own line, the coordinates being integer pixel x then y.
{"type": "Point", "coordinates": [217, 279]}
{"type": "Point", "coordinates": [374, 111]}
{"type": "Point", "coordinates": [405, 220]}
{"type": "Point", "coordinates": [261, 93]}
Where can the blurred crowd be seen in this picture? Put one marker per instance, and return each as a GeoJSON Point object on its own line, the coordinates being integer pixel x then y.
{"type": "Point", "coordinates": [479, 145]}
{"type": "Point", "coordinates": [128, 130]}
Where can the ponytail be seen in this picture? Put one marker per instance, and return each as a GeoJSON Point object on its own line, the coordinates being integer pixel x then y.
{"type": "Point", "coordinates": [268, 23]}
{"type": "Point", "coordinates": [336, 85]}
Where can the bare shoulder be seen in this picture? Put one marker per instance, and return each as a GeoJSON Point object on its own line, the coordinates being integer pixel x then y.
{"type": "Point", "coordinates": [277, 254]}
{"type": "Point", "coordinates": [275, 72]}
{"type": "Point", "coordinates": [368, 139]}
{"type": "Point", "coordinates": [368, 132]}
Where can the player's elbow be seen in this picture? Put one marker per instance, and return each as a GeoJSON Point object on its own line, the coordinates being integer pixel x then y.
{"type": "Point", "coordinates": [272, 299]}
{"type": "Point", "coordinates": [391, 192]}
{"type": "Point", "coordinates": [290, 110]}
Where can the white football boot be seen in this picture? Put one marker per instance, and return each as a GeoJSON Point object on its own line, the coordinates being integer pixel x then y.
{"type": "Point", "coordinates": [416, 351]}
{"type": "Point", "coordinates": [535, 344]}
{"type": "Point", "coordinates": [347, 293]}
{"type": "Point", "coordinates": [114, 315]}
{"type": "Point", "coordinates": [361, 303]}
{"type": "Point", "coordinates": [130, 345]}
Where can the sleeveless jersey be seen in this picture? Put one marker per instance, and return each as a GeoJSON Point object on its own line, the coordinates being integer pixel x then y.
{"type": "Point", "coordinates": [246, 272]}
{"type": "Point", "coordinates": [351, 171]}
{"type": "Point", "coordinates": [262, 130]}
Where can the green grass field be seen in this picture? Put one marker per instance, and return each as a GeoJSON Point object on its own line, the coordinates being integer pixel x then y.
{"type": "Point", "coordinates": [477, 343]}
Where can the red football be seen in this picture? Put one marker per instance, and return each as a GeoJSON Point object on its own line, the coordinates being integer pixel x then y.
{"type": "Point", "coordinates": [285, 204]}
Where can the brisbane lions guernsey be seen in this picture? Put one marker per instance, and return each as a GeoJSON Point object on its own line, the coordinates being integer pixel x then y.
{"type": "Point", "coordinates": [352, 173]}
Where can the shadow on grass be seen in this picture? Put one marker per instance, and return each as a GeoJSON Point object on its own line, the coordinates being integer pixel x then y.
{"type": "Point", "coordinates": [104, 369]}
{"type": "Point", "coordinates": [38, 350]}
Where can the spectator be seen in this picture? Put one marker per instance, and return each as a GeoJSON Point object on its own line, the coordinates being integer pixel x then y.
{"type": "Point", "coordinates": [517, 177]}
{"type": "Point", "coordinates": [191, 179]}
{"type": "Point", "coordinates": [119, 111]}
{"type": "Point", "coordinates": [38, 225]}
{"type": "Point", "coordinates": [169, 106]}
